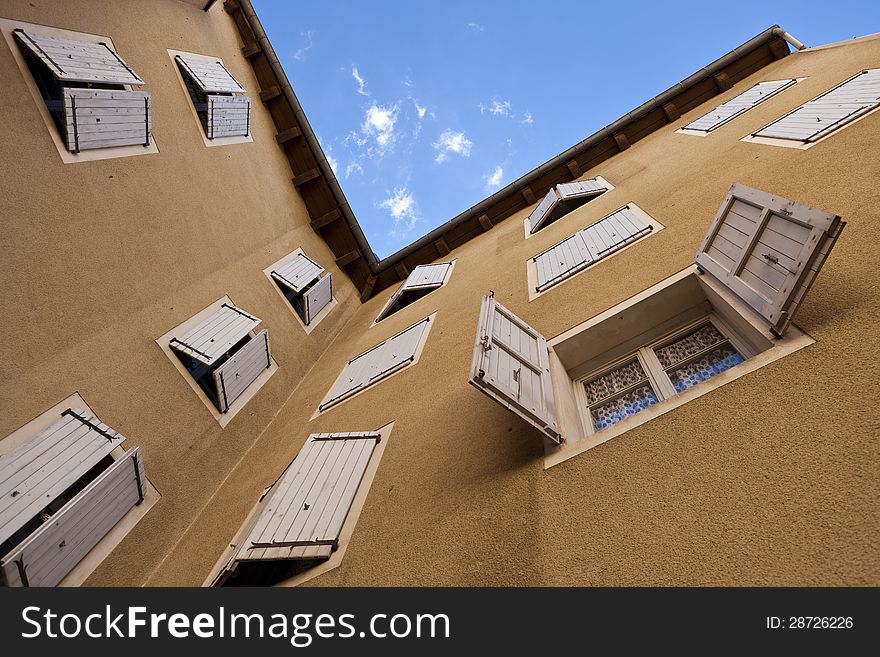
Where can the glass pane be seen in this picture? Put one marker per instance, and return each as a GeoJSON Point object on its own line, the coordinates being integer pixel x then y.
{"type": "Point", "coordinates": [693, 343]}
{"type": "Point", "coordinates": [621, 408]}
{"type": "Point", "coordinates": [614, 381]}
{"type": "Point", "coordinates": [704, 368]}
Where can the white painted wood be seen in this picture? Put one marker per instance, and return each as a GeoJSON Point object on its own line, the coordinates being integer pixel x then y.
{"type": "Point", "coordinates": [213, 337]}
{"type": "Point", "coordinates": [751, 97]}
{"type": "Point", "coordinates": [37, 472]}
{"type": "Point", "coordinates": [234, 376]}
{"type": "Point", "coordinates": [426, 276]}
{"type": "Point", "coordinates": [297, 274]}
{"type": "Point", "coordinates": [539, 214]}
{"type": "Point", "coordinates": [78, 61]}
{"type": "Point", "coordinates": [767, 250]}
{"type": "Point", "coordinates": [562, 199]}
{"type": "Point", "coordinates": [378, 363]}
{"type": "Point", "coordinates": [101, 118]}
{"type": "Point", "coordinates": [228, 116]}
{"type": "Point", "coordinates": [580, 188]}
{"type": "Point", "coordinates": [829, 111]}
{"type": "Point", "coordinates": [50, 552]}
{"type": "Point", "coordinates": [210, 76]}
{"type": "Point", "coordinates": [511, 364]}
{"type": "Point", "coordinates": [317, 297]}
{"type": "Point", "coordinates": [311, 500]}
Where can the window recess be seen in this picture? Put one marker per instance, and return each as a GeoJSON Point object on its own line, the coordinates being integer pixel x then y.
{"type": "Point", "coordinates": [61, 492]}
{"type": "Point", "coordinates": [302, 284]}
{"type": "Point", "coordinates": [728, 314]}
{"type": "Point", "coordinates": [298, 523]}
{"type": "Point", "coordinates": [564, 198]}
{"type": "Point", "coordinates": [214, 94]}
{"type": "Point", "coordinates": [828, 112]}
{"type": "Point", "coordinates": [421, 281]}
{"type": "Point", "coordinates": [726, 112]}
{"type": "Point", "coordinates": [85, 87]}
{"type": "Point", "coordinates": [222, 354]}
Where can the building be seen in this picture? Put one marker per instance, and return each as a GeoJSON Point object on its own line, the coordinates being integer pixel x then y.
{"type": "Point", "coordinates": [187, 275]}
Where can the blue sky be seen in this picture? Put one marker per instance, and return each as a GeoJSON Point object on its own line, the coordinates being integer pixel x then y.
{"type": "Point", "coordinates": [424, 109]}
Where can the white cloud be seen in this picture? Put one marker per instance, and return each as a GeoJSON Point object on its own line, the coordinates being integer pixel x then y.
{"type": "Point", "coordinates": [476, 27]}
{"type": "Point", "coordinates": [420, 110]}
{"type": "Point", "coordinates": [300, 55]}
{"type": "Point", "coordinates": [362, 84]}
{"type": "Point", "coordinates": [527, 118]}
{"type": "Point", "coordinates": [401, 206]}
{"type": "Point", "coordinates": [353, 167]}
{"type": "Point", "coordinates": [493, 180]}
{"type": "Point", "coordinates": [497, 108]}
{"type": "Point", "coordinates": [333, 163]}
{"type": "Point", "coordinates": [379, 123]}
{"type": "Point", "coordinates": [452, 142]}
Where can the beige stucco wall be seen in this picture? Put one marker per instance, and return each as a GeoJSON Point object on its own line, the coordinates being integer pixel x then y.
{"type": "Point", "coordinates": [101, 258]}
{"type": "Point", "coordinates": [771, 479]}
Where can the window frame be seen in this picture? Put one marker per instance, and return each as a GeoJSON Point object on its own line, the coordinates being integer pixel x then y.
{"type": "Point", "coordinates": [58, 139]}
{"type": "Point", "coordinates": [217, 141]}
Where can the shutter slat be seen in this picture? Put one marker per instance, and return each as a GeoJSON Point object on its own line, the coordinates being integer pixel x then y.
{"type": "Point", "coordinates": [210, 76]}
{"type": "Point", "coordinates": [769, 262]}
{"type": "Point", "coordinates": [215, 335]}
{"type": "Point", "coordinates": [297, 274]}
{"type": "Point", "coordinates": [511, 364]}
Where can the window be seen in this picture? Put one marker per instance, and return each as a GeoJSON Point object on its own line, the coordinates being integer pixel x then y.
{"type": "Point", "coordinates": [421, 281]}
{"type": "Point", "coordinates": [379, 363]}
{"type": "Point", "coordinates": [84, 91]}
{"type": "Point", "coordinates": [223, 113]}
{"type": "Point", "coordinates": [225, 361]}
{"type": "Point", "coordinates": [562, 199]}
{"type": "Point", "coordinates": [66, 485]}
{"type": "Point", "coordinates": [300, 281]}
{"type": "Point", "coordinates": [751, 97]}
{"type": "Point", "coordinates": [302, 524]}
{"type": "Point", "coordinates": [827, 113]}
{"type": "Point", "coordinates": [728, 314]}
{"type": "Point", "coordinates": [588, 246]}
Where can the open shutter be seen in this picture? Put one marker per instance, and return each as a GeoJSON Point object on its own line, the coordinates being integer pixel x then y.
{"type": "Point", "coordinates": [317, 297]}
{"type": "Point", "coordinates": [377, 363]}
{"type": "Point", "coordinates": [297, 274]}
{"type": "Point", "coordinates": [511, 364]}
{"type": "Point", "coordinates": [78, 61]}
{"type": "Point", "coordinates": [303, 514]}
{"type": "Point", "coordinates": [426, 277]}
{"type": "Point", "coordinates": [37, 472]}
{"type": "Point", "coordinates": [47, 555]}
{"type": "Point", "coordinates": [234, 376]}
{"type": "Point", "coordinates": [216, 335]}
{"type": "Point", "coordinates": [228, 116]}
{"type": "Point", "coordinates": [103, 118]}
{"type": "Point", "coordinates": [588, 246]}
{"type": "Point", "coordinates": [210, 76]}
{"type": "Point", "coordinates": [754, 95]}
{"type": "Point", "coordinates": [562, 199]}
{"type": "Point", "coordinates": [767, 250]}
{"type": "Point", "coordinates": [828, 112]}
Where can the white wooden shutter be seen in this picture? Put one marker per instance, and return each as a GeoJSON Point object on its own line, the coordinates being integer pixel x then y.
{"type": "Point", "coordinates": [78, 61]}
{"type": "Point", "coordinates": [562, 199]}
{"type": "Point", "coordinates": [588, 246]}
{"type": "Point", "coordinates": [234, 376]}
{"type": "Point", "coordinates": [214, 336]}
{"type": "Point", "coordinates": [511, 364]}
{"type": "Point", "coordinates": [303, 514]}
{"type": "Point", "coordinates": [210, 76]}
{"type": "Point", "coordinates": [37, 472]}
{"type": "Point", "coordinates": [317, 297]}
{"type": "Point", "coordinates": [228, 116]}
{"type": "Point", "coordinates": [46, 556]}
{"type": "Point", "coordinates": [754, 95]}
{"type": "Point", "coordinates": [767, 250]}
{"type": "Point", "coordinates": [377, 363]}
{"type": "Point", "coordinates": [426, 277]}
{"type": "Point", "coordinates": [833, 109]}
{"type": "Point", "coordinates": [103, 118]}
{"type": "Point", "coordinates": [297, 274]}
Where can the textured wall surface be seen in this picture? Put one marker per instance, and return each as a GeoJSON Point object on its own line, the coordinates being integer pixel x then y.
{"type": "Point", "coordinates": [771, 479]}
